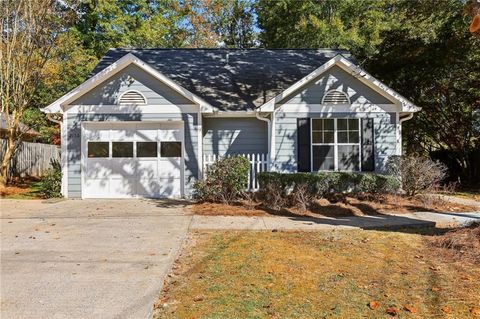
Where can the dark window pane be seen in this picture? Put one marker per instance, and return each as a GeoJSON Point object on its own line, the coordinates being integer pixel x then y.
{"type": "Point", "coordinates": [353, 124]}
{"type": "Point", "coordinates": [317, 124]}
{"type": "Point", "coordinates": [353, 137]}
{"type": "Point", "coordinates": [146, 149]}
{"type": "Point", "coordinates": [348, 158]}
{"type": "Point", "coordinates": [323, 157]}
{"type": "Point", "coordinates": [328, 137]}
{"type": "Point", "coordinates": [317, 137]}
{"type": "Point", "coordinates": [342, 124]}
{"type": "Point", "coordinates": [328, 125]}
{"type": "Point", "coordinates": [342, 137]}
{"type": "Point", "coordinates": [122, 149]}
{"type": "Point", "coordinates": [171, 149]}
{"type": "Point", "coordinates": [97, 149]}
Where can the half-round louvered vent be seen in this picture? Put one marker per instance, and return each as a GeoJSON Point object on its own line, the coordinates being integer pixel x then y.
{"type": "Point", "coordinates": [335, 97]}
{"type": "Point", "coordinates": [132, 97]}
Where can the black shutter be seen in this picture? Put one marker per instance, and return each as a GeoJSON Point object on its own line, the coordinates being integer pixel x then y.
{"type": "Point", "coordinates": [303, 143]}
{"type": "Point", "coordinates": [368, 158]}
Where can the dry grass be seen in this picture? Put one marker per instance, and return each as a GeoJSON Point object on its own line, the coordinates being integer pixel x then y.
{"type": "Point", "coordinates": [331, 274]}
{"type": "Point", "coordinates": [348, 206]}
{"type": "Point", "coordinates": [461, 244]}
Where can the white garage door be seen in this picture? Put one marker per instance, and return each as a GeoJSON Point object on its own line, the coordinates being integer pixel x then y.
{"type": "Point", "coordinates": [122, 160]}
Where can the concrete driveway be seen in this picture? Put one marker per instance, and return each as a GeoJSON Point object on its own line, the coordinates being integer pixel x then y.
{"type": "Point", "coordinates": [86, 259]}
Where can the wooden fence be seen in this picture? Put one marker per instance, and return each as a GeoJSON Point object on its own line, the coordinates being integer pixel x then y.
{"type": "Point", "coordinates": [31, 159]}
{"type": "Point", "coordinates": [258, 163]}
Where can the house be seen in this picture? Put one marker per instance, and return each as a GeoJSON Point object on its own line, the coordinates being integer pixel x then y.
{"type": "Point", "coordinates": [142, 124]}
{"type": "Point", "coordinates": [25, 132]}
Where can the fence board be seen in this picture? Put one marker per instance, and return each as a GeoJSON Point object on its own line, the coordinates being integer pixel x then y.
{"type": "Point", "coordinates": [258, 163]}
{"type": "Point", "coordinates": [31, 159]}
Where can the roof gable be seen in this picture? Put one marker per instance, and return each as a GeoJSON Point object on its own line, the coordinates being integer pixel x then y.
{"type": "Point", "coordinates": [111, 70]}
{"type": "Point", "coordinates": [335, 79]}
{"type": "Point", "coordinates": [351, 68]}
{"type": "Point", "coordinates": [131, 79]}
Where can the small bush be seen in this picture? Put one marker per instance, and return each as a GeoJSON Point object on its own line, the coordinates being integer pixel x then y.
{"type": "Point", "coordinates": [416, 174]}
{"type": "Point", "coordinates": [300, 189]}
{"type": "Point", "coordinates": [50, 185]}
{"type": "Point", "coordinates": [225, 181]}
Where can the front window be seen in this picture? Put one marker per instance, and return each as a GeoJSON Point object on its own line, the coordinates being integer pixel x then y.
{"type": "Point", "coordinates": [323, 144]}
{"type": "Point", "coordinates": [335, 144]}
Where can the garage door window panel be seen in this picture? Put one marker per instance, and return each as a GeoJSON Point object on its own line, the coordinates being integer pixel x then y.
{"type": "Point", "coordinates": [122, 149]}
{"type": "Point", "coordinates": [98, 149]}
{"type": "Point", "coordinates": [147, 149]}
{"type": "Point", "coordinates": [171, 149]}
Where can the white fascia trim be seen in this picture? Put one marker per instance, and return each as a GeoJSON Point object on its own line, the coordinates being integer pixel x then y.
{"type": "Point", "coordinates": [337, 108]}
{"type": "Point", "coordinates": [129, 109]}
{"type": "Point", "coordinates": [377, 85]}
{"type": "Point", "coordinates": [346, 65]}
{"type": "Point", "coordinates": [112, 69]}
{"type": "Point", "coordinates": [232, 114]}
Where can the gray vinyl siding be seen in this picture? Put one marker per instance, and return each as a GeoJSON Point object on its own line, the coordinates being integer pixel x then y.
{"type": "Point", "coordinates": [74, 122]}
{"type": "Point", "coordinates": [226, 136]}
{"type": "Point", "coordinates": [335, 79]}
{"type": "Point", "coordinates": [285, 157]}
{"type": "Point", "coordinates": [131, 78]}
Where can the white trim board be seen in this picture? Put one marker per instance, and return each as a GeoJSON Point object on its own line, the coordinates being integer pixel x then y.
{"type": "Point", "coordinates": [338, 108]}
{"type": "Point", "coordinates": [136, 109]}
{"type": "Point", "coordinates": [114, 68]}
{"type": "Point", "coordinates": [404, 104]}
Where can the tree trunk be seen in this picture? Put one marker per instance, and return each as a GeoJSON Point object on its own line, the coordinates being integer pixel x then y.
{"type": "Point", "coordinates": [7, 157]}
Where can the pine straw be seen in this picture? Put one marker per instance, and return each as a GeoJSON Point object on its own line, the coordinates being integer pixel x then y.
{"type": "Point", "coordinates": [461, 244]}
{"type": "Point", "coordinates": [348, 206]}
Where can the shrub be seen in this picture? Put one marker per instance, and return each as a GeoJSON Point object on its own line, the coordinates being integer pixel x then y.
{"type": "Point", "coordinates": [225, 180]}
{"type": "Point", "coordinates": [416, 174]}
{"type": "Point", "coordinates": [50, 185]}
{"type": "Point", "coordinates": [301, 188]}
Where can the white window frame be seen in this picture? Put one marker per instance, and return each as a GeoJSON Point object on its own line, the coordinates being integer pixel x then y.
{"type": "Point", "coordinates": [336, 143]}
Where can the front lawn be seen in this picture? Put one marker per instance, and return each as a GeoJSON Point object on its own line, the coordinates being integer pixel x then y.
{"type": "Point", "coordinates": [329, 274]}
{"type": "Point", "coordinates": [26, 188]}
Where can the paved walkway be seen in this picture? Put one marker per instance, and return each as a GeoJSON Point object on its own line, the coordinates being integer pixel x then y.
{"type": "Point", "coordinates": [461, 200]}
{"type": "Point", "coordinates": [86, 259]}
{"type": "Point", "coordinates": [420, 219]}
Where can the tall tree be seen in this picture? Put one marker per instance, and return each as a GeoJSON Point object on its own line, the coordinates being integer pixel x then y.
{"type": "Point", "coordinates": [104, 24]}
{"type": "Point", "coordinates": [29, 29]}
{"type": "Point", "coordinates": [219, 23]}
{"type": "Point", "coordinates": [433, 59]}
{"type": "Point", "coordinates": [355, 25]}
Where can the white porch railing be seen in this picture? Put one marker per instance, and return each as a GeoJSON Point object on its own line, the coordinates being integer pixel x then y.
{"type": "Point", "coordinates": [258, 163]}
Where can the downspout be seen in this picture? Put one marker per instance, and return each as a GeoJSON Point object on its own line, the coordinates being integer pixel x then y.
{"type": "Point", "coordinates": [269, 123]}
{"type": "Point", "coordinates": [63, 152]}
{"type": "Point", "coordinates": [53, 120]}
{"type": "Point", "coordinates": [406, 118]}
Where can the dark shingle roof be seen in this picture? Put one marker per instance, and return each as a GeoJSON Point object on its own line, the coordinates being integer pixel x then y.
{"type": "Point", "coordinates": [244, 81]}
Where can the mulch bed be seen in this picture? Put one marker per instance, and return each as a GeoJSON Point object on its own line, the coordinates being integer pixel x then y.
{"type": "Point", "coordinates": [348, 206]}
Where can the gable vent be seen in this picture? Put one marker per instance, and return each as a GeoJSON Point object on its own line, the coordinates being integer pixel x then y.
{"type": "Point", "coordinates": [335, 97]}
{"type": "Point", "coordinates": [132, 97]}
